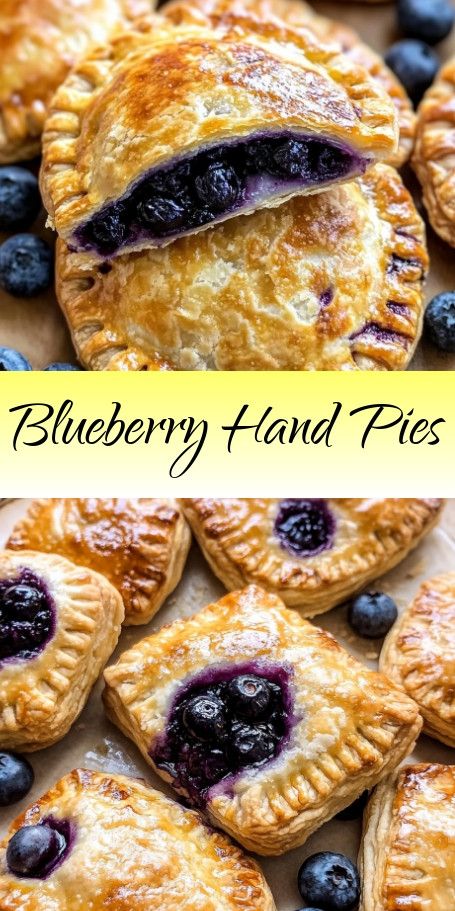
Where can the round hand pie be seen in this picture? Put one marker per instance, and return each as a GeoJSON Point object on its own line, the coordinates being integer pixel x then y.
{"type": "Point", "coordinates": [40, 40]}
{"type": "Point", "coordinates": [140, 545]}
{"type": "Point", "coordinates": [59, 624]}
{"type": "Point", "coordinates": [313, 553]}
{"type": "Point", "coordinates": [259, 718]}
{"type": "Point", "coordinates": [244, 118]}
{"type": "Point", "coordinates": [330, 282]}
{"type": "Point", "coordinates": [115, 845]}
{"type": "Point", "coordinates": [419, 654]}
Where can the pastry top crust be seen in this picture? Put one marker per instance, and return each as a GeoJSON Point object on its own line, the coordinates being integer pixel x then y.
{"type": "Point", "coordinates": [347, 721]}
{"type": "Point", "coordinates": [134, 850]}
{"type": "Point", "coordinates": [40, 40]}
{"type": "Point", "coordinates": [140, 545]}
{"type": "Point", "coordinates": [371, 535]}
{"type": "Point", "coordinates": [435, 150]}
{"type": "Point", "coordinates": [333, 281]}
{"type": "Point", "coordinates": [115, 118]}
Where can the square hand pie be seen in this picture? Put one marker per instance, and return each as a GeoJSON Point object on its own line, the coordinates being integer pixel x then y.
{"type": "Point", "coordinates": [140, 545]}
{"type": "Point", "coordinates": [419, 653]}
{"type": "Point", "coordinates": [170, 129]}
{"type": "Point", "coordinates": [408, 850]}
{"type": "Point", "coordinates": [40, 40]}
{"type": "Point", "coordinates": [259, 718]}
{"type": "Point", "coordinates": [109, 843]}
{"type": "Point", "coordinates": [275, 290]}
{"type": "Point", "coordinates": [313, 553]}
{"type": "Point", "coordinates": [59, 624]}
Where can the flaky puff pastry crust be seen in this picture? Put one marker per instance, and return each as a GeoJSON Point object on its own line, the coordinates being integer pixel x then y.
{"type": "Point", "coordinates": [350, 725]}
{"type": "Point", "coordinates": [117, 117]}
{"type": "Point", "coordinates": [41, 696]}
{"type": "Point", "coordinates": [407, 857]}
{"type": "Point", "coordinates": [238, 540]}
{"type": "Point", "coordinates": [326, 282]}
{"type": "Point", "coordinates": [40, 40]}
{"type": "Point", "coordinates": [140, 545]}
{"type": "Point", "coordinates": [434, 154]}
{"type": "Point", "coordinates": [134, 850]}
{"type": "Point", "coordinates": [419, 653]}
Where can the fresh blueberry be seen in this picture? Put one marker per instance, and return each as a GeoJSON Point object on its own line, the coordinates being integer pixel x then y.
{"type": "Point", "coordinates": [204, 716]}
{"type": "Point", "coordinates": [329, 881]}
{"type": "Point", "coordinates": [25, 265]}
{"type": "Point", "coordinates": [161, 214]}
{"type": "Point", "coordinates": [427, 20]}
{"type": "Point", "coordinates": [20, 200]}
{"type": "Point", "coordinates": [415, 64]}
{"type": "Point", "coordinates": [440, 321]}
{"type": "Point", "coordinates": [249, 695]}
{"type": "Point", "coordinates": [109, 229]}
{"type": "Point", "coordinates": [304, 527]}
{"type": "Point", "coordinates": [251, 745]}
{"type": "Point", "coordinates": [57, 366]}
{"type": "Point", "coordinates": [372, 614]}
{"type": "Point", "coordinates": [16, 778]}
{"type": "Point", "coordinates": [13, 360]}
{"type": "Point", "coordinates": [355, 809]}
{"type": "Point", "coordinates": [219, 187]}
{"type": "Point", "coordinates": [32, 849]}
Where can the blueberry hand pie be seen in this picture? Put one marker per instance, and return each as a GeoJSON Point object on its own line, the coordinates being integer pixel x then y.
{"type": "Point", "coordinates": [59, 624]}
{"type": "Point", "coordinates": [419, 654]}
{"type": "Point", "coordinates": [258, 718]}
{"type": "Point", "coordinates": [109, 843]}
{"type": "Point", "coordinates": [39, 42]}
{"type": "Point", "coordinates": [313, 553]}
{"type": "Point", "coordinates": [140, 545]}
{"type": "Point", "coordinates": [244, 118]}
{"type": "Point", "coordinates": [408, 851]}
{"type": "Point", "coordinates": [329, 282]}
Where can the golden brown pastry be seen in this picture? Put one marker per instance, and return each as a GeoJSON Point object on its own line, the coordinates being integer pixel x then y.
{"type": "Point", "coordinates": [419, 654]}
{"type": "Point", "coordinates": [39, 42]}
{"type": "Point", "coordinates": [59, 624]}
{"type": "Point", "coordinates": [140, 545]}
{"type": "Point", "coordinates": [434, 154]}
{"type": "Point", "coordinates": [116, 845]}
{"type": "Point", "coordinates": [259, 718]}
{"type": "Point", "coordinates": [328, 282]}
{"type": "Point", "coordinates": [313, 553]}
{"type": "Point", "coordinates": [408, 850]}
{"type": "Point", "coordinates": [248, 115]}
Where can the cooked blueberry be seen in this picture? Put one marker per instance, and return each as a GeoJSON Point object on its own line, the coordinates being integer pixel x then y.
{"type": "Point", "coordinates": [289, 159]}
{"type": "Point", "coordinates": [109, 229]}
{"type": "Point", "coordinates": [62, 366]}
{"type": "Point", "coordinates": [427, 20]}
{"type": "Point", "coordinates": [25, 619]}
{"type": "Point", "coordinates": [329, 881]}
{"type": "Point", "coordinates": [440, 321]}
{"type": "Point", "coordinates": [160, 213]}
{"type": "Point", "coordinates": [304, 527]}
{"type": "Point", "coordinates": [415, 64]}
{"type": "Point", "coordinates": [16, 778]}
{"type": "Point", "coordinates": [26, 263]}
{"type": "Point", "coordinates": [251, 745]}
{"type": "Point", "coordinates": [13, 360]}
{"type": "Point", "coordinates": [355, 809]}
{"type": "Point", "coordinates": [327, 162]}
{"type": "Point", "coordinates": [20, 200]}
{"type": "Point", "coordinates": [372, 614]}
{"type": "Point", "coordinates": [218, 187]}
{"type": "Point", "coordinates": [204, 717]}
{"type": "Point", "coordinates": [249, 695]}
{"type": "Point", "coordinates": [24, 601]}
{"type": "Point", "coordinates": [32, 849]}
{"type": "Point", "coordinates": [209, 765]}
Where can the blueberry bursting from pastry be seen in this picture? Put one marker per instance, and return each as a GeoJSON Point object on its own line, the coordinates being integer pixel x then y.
{"type": "Point", "coordinates": [36, 851]}
{"type": "Point", "coordinates": [27, 616]}
{"type": "Point", "coordinates": [305, 527]}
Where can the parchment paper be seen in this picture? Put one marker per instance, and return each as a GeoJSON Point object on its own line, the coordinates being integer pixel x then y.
{"type": "Point", "coordinates": [95, 743]}
{"type": "Point", "coordinates": [37, 328]}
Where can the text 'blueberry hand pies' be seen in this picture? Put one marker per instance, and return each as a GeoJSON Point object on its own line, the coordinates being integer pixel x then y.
{"type": "Point", "coordinates": [59, 624]}
{"type": "Point", "coordinates": [313, 553]}
{"type": "Point", "coordinates": [245, 118]}
{"type": "Point", "coordinates": [330, 282]}
{"type": "Point", "coordinates": [140, 545]}
{"type": "Point", "coordinates": [408, 850]}
{"type": "Point", "coordinates": [259, 718]}
{"type": "Point", "coordinates": [108, 843]}
{"type": "Point", "coordinates": [419, 654]}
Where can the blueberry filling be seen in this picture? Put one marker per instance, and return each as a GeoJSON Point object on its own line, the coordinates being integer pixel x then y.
{"type": "Point", "coordinates": [222, 722]}
{"type": "Point", "coordinates": [305, 527]}
{"type": "Point", "coordinates": [36, 851]}
{"type": "Point", "coordinates": [214, 183]}
{"type": "Point", "coordinates": [26, 616]}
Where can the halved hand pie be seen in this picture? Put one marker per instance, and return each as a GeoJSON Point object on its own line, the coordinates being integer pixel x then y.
{"type": "Point", "coordinates": [259, 718]}
{"type": "Point", "coordinates": [328, 282]}
{"type": "Point", "coordinates": [408, 850]}
{"type": "Point", "coordinates": [170, 129]}
{"type": "Point", "coordinates": [110, 843]}
{"type": "Point", "coordinates": [140, 545]}
{"type": "Point", "coordinates": [419, 654]}
{"type": "Point", "coordinates": [314, 553]}
{"type": "Point", "coordinates": [59, 624]}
